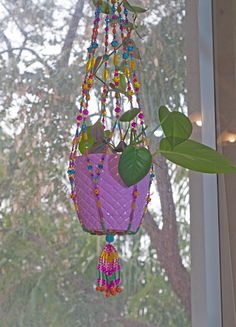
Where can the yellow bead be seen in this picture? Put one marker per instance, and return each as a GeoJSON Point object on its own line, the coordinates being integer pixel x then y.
{"type": "Point", "coordinates": [99, 203]}
{"type": "Point", "coordinates": [131, 92]}
{"type": "Point", "coordinates": [88, 66]}
{"type": "Point", "coordinates": [127, 72]}
{"type": "Point", "coordinates": [93, 62]}
{"type": "Point", "coordinates": [133, 64]}
{"type": "Point", "coordinates": [106, 74]}
{"type": "Point", "coordinates": [137, 84]}
{"type": "Point", "coordinates": [116, 60]}
{"type": "Point", "coordinates": [87, 97]}
{"type": "Point", "coordinates": [116, 79]}
{"type": "Point", "coordinates": [133, 205]}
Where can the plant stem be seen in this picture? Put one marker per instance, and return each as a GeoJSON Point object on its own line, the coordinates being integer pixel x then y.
{"type": "Point", "coordinates": [126, 132]}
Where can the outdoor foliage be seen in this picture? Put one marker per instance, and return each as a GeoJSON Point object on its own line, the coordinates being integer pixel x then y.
{"type": "Point", "coordinates": [47, 264]}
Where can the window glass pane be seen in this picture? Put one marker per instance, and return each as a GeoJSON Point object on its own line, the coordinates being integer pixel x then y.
{"type": "Point", "coordinates": [47, 263]}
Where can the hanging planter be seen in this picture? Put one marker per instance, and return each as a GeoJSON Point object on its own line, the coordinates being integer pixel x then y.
{"type": "Point", "coordinates": [111, 166]}
{"type": "Point", "coordinates": [108, 206]}
{"type": "Point", "coordinates": [111, 177]}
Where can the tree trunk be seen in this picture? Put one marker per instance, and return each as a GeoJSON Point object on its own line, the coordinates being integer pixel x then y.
{"type": "Point", "coordinates": [71, 34]}
{"type": "Point", "coordinates": [165, 240]}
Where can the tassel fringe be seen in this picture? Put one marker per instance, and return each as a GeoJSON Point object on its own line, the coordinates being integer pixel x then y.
{"type": "Point", "coordinates": [109, 271]}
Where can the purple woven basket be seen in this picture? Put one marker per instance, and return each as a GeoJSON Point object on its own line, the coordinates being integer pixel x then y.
{"type": "Point", "coordinates": [116, 198]}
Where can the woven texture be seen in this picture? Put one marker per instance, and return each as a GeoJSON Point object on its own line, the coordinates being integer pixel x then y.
{"type": "Point", "coordinates": [116, 197]}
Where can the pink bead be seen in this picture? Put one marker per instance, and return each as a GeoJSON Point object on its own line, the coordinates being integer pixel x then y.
{"type": "Point", "coordinates": [141, 116]}
{"type": "Point", "coordinates": [79, 117]}
{"type": "Point", "coordinates": [133, 124]}
{"type": "Point", "coordinates": [117, 110]}
{"type": "Point", "coordinates": [116, 83]}
{"type": "Point", "coordinates": [85, 112]}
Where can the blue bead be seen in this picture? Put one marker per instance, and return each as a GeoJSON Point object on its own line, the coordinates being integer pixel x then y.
{"type": "Point", "coordinates": [90, 49]}
{"type": "Point", "coordinates": [110, 238]}
{"type": "Point", "coordinates": [152, 175]}
{"type": "Point", "coordinates": [90, 167]}
{"type": "Point", "coordinates": [94, 45]}
{"type": "Point", "coordinates": [71, 171]}
{"type": "Point", "coordinates": [114, 43]}
{"type": "Point", "coordinates": [126, 11]}
{"type": "Point", "coordinates": [107, 19]}
{"type": "Point", "coordinates": [106, 57]}
{"type": "Point", "coordinates": [130, 48]}
{"type": "Point", "coordinates": [100, 166]}
{"type": "Point", "coordinates": [125, 55]}
{"type": "Point", "coordinates": [84, 127]}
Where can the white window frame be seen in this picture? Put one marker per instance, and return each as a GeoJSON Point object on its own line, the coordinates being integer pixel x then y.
{"type": "Point", "coordinates": [205, 246]}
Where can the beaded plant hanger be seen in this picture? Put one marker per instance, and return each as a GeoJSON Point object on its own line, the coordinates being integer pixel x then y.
{"type": "Point", "coordinates": [104, 204]}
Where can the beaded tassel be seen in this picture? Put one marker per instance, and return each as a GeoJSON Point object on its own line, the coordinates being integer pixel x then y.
{"type": "Point", "coordinates": [109, 269]}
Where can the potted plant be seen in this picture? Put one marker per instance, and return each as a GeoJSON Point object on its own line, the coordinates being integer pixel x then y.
{"type": "Point", "coordinates": [111, 178]}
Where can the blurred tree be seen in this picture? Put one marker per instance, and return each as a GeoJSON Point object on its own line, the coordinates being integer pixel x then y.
{"type": "Point", "coordinates": [47, 263]}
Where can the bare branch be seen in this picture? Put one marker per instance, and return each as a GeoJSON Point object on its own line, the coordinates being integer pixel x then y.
{"type": "Point", "coordinates": [71, 34]}
{"type": "Point", "coordinates": [11, 14]}
{"type": "Point", "coordinates": [29, 50]}
{"type": "Point", "coordinates": [8, 44]}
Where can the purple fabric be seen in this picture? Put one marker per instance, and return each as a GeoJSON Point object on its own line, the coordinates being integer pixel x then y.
{"type": "Point", "coordinates": [115, 196]}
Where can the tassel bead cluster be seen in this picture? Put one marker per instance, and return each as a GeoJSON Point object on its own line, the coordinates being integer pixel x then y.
{"type": "Point", "coordinates": [109, 270]}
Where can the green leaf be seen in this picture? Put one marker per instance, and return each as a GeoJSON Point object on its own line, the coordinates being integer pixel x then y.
{"type": "Point", "coordinates": [122, 66]}
{"type": "Point", "coordinates": [97, 131]}
{"type": "Point", "coordinates": [105, 8]}
{"type": "Point", "coordinates": [107, 134]}
{"type": "Point", "coordinates": [97, 63]}
{"type": "Point", "coordinates": [134, 164]}
{"type": "Point", "coordinates": [176, 126]}
{"type": "Point", "coordinates": [122, 84]}
{"type": "Point", "coordinates": [196, 156]}
{"type": "Point", "coordinates": [82, 142]}
{"type": "Point", "coordinates": [129, 115]}
{"type": "Point", "coordinates": [135, 9]}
